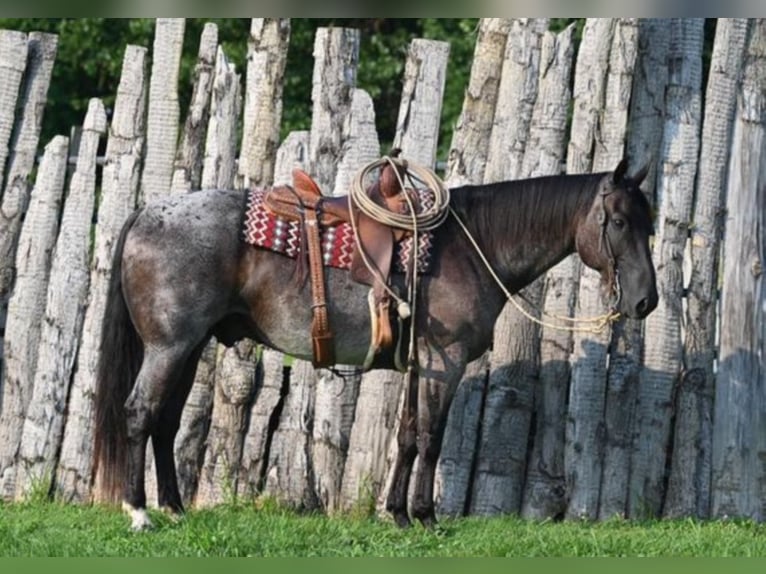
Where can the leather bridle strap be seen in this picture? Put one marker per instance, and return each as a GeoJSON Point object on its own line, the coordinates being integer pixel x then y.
{"type": "Point", "coordinates": [605, 246]}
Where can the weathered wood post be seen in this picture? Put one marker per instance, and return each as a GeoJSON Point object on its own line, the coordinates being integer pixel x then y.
{"type": "Point", "coordinates": [663, 347]}
{"type": "Point", "coordinates": [189, 445]}
{"type": "Point", "coordinates": [544, 488]}
{"type": "Point", "coordinates": [272, 375]}
{"type": "Point", "coordinates": [34, 56]}
{"type": "Point", "coordinates": [26, 306]}
{"type": "Point", "coordinates": [119, 187]}
{"type": "Point", "coordinates": [163, 113]}
{"type": "Point", "coordinates": [467, 162]}
{"type": "Point", "coordinates": [739, 441]}
{"type": "Point", "coordinates": [498, 469]}
{"type": "Point", "coordinates": [290, 474]}
{"type": "Point", "coordinates": [64, 312]}
{"type": "Point", "coordinates": [688, 491]}
{"type": "Point", "coordinates": [232, 393]}
{"type": "Point", "coordinates": [187, 169]}
{"type": "Point", "coordinates": [625, 345]}
{"type": "Point", "coordinates": [584, 437]}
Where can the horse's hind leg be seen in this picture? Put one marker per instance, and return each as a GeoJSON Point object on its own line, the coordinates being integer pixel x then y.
{"type": "Point", "coordinates": [164, 433]}
{"type": "Point", "coordinates": [155, 384]}
{"type": "Point", "coordinates": [396, 502]}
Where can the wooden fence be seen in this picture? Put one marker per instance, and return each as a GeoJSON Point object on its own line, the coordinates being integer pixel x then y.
{"type": "Point", "coordinates": [665, 417]}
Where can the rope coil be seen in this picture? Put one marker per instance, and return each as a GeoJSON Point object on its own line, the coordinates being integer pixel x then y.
{"type": "Point", "coordinates": [427, 220]}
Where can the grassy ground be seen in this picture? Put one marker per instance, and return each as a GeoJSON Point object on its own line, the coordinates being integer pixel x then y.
{"type": "Point", "coordinates": [51, 529]}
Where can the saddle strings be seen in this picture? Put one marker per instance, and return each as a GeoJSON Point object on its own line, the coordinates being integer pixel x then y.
{"type": "Point", "coordinates": [414, 221]}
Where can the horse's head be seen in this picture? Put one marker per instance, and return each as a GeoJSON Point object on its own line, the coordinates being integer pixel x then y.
{"type": "Point", "coordinates": [614, 240]}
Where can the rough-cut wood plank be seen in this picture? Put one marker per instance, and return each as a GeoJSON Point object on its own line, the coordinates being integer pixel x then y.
{"type": "Point", "coordinates": [689, 482]}
{"type": "Point", "coordinates": [424, 76]}
{"type": "Point", "coordinates": [625, 345]}
{"type": "Point", "coordinates": [455, 470]}
{"type": "Point", "coordinates": [470, 142]}
{"type": "Point", "coordinates": [163, 114]}
{"type": "Point", "coordinates": [584, 429]}
{"type": "Point", "coordinates": [544, 155]}
{"type": "Point", "coordinates": [187, 170]}
{"type": "Point", "coordinates": [517, 96]}
{"type": "Point", "coordinates": [13, 60]}
{"type": "Point", "coordinates": [119, 186]}
{"type": "Point", "coordinates": [235, 366]}
{"type": "Point", "coordinates": [293, 152]}
{"type": "Point", "coordinates": [266, 59]}
{"type": "Point", "coordinates": [26, 306]}
{"type": "Point", "coordinates": [270, 389]}
{"type": "Point", "coordinates": [231, 402]}
{"type": "Point", "coordinates": [272, 382]}
{"type": "Point", "coordinates": [334, 409]}
{"type": "Point", "coordinates": [40, 53]}
{"type": "Point", "coordinates": [467, 163]}
{"type": "Point", "coordinates": [514, 361]}
{"type": "Point", "coordinates": [189, 447]}
{"type": "Point", "coordinates": [739, 442]}
{"type": "Point", "coordinates": [220, 161]}
{"type": "Point", "coordinates": [289, 475]}
{"type": "Point", "coordinates": [675, 190]}
{"type": "Point", "coordinates": [361, 144]}
{"type": "Point", "coordinates": [64, 312]}
{"type": "Point", "coordinates": [336, 57]}
{"type": "Point", "coordinates": [647, 106]}
{"type": "Point", "coordinates": [336, 396]}
{"type": "Point", "coordinates": [375, 420]}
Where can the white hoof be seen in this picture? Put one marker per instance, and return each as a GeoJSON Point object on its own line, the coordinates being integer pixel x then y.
{"type": "Point", "coordinates": [139, 519]}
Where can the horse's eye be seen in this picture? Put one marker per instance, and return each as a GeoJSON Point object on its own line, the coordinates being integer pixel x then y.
{"type": "Point", "coordinates": [618, 223]}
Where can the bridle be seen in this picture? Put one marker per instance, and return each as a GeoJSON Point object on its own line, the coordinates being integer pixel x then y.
{"type": "Point", "coordinates": [605, 246]}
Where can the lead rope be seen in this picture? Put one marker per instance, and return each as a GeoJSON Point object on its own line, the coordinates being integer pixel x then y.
{"type": "Point", "coordinates": [600, 322]}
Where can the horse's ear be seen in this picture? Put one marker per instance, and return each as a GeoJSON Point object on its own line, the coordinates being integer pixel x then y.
{"type": "Point", "coordinates": [619, 173]}
{"type": "Point", "coordinates": [641, 174]}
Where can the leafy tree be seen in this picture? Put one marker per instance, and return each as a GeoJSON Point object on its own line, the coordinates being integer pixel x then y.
{"type": "Point", "coordinates": [90, 56]}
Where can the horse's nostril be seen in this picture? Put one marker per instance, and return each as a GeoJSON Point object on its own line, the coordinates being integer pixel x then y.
{"type": "Point", "coordinates": [646, 306]}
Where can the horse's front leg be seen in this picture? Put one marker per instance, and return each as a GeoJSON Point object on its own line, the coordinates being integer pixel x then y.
{"type": "Point", "coordinates": [441, 369]}
{"type": "Point", "coordinates": [396, 503]}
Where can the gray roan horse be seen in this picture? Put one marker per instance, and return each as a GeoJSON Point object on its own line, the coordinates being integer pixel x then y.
{"type": "Point", "coordinates": [183, 274]}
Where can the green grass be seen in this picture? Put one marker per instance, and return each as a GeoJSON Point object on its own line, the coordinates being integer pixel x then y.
{"type": "Point", "coordinates": [52, 529]}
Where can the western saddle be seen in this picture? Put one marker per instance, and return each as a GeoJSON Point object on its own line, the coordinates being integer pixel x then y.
{"type": "Point", "coordinates": [303, 201]}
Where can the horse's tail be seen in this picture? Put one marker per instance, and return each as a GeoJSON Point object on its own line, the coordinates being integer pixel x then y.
{"type": "Point", "coordinates": [119, 361]}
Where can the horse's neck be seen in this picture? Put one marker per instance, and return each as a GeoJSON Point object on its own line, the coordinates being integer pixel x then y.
{"type": "Point", "coordinates": [523, 237]}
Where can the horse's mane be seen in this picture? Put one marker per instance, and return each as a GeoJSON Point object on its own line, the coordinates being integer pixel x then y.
{"type": "Point", "coordinates": [525, 208]}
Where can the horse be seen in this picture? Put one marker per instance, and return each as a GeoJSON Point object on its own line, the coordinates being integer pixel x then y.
{"type": "Point", "coordinates": [182, 274]}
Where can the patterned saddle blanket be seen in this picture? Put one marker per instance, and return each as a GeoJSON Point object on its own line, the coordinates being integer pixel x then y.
{"type": "Point", "coordinates": [262, 228]}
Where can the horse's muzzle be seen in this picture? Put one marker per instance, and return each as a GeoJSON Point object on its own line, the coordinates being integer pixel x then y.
{"type": "Point", "coordinates": [645, 306]}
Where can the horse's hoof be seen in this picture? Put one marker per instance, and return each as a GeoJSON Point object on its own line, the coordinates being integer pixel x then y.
{"type": "Point", "coordinates": [429, 521]}
{"type": "Point", "coordinates": [173, 514]}
{"type": "Point", "coordinates": [402, 520]}
{"type": "Point", "coordinates": [139, 519]}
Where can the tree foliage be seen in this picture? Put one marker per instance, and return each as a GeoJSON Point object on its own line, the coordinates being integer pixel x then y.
{"type": "Point", "coordinates": [90, 56]}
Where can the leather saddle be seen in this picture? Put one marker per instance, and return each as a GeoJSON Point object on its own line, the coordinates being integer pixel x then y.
{"type": "Point", "coordinates": [303, 201]}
